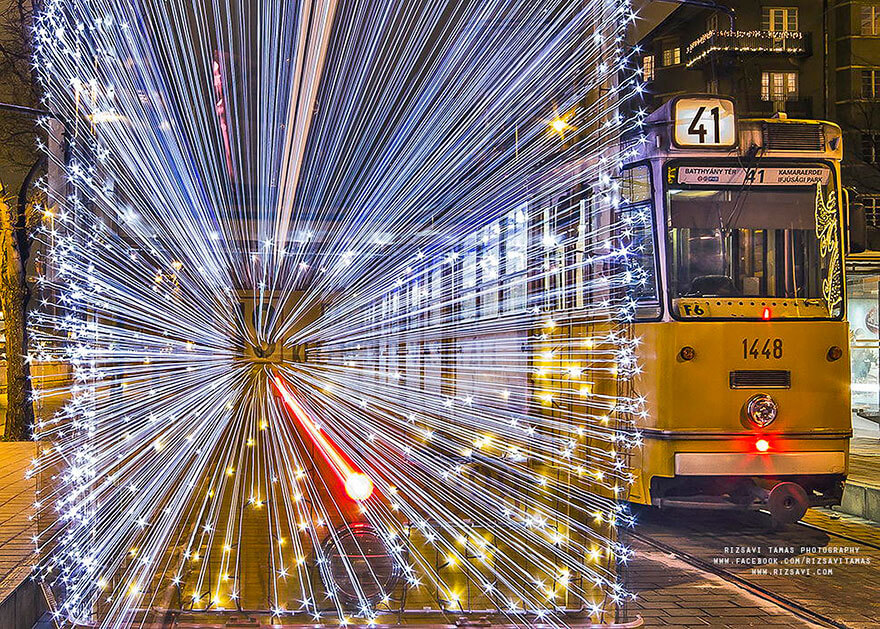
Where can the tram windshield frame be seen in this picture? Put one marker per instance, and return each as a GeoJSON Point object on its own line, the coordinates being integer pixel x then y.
{"type": "Point", "coordinates": [724, 243]}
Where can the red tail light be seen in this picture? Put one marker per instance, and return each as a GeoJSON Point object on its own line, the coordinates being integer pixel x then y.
{"type": "Point", "coordinates": [766, 314]}
{"type": "Point", "coordinates": [762, 445]}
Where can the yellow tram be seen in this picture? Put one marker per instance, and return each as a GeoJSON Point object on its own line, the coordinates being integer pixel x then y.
{"type": "Point", "coordinates": [744, 340]}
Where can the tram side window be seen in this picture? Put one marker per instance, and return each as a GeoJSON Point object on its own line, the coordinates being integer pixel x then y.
{"type": "Point", "coordinates": [566, 253]}
{"type": "Point", "coordinates": [436, 297]}
{"type": "Point", "coordinates": [391, 364]}
{"type": "Point", "coordinates": [516, 247]}
{"type": "Point", "coordinates": [538, 291]}
{"type": "Point", "coordinates": [452, 285]}
{"type": "Point", "coordinates": [415, 306]}
{"type": "Point", "coordinates": [469, 278]}
{"type": "Point", "coordinates": [433, 367]}
{"type": "Point", "coordinates": [488, 269]}
{"type": "Point", "coordinates": [558, 227]}
{"type": "Point", "coordinates": [412, 371]}
{"type": "Point", "coordinates": [637, 213]}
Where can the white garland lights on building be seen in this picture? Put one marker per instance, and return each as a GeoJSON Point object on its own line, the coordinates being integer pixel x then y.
{"type": "Point", "coordinates": [337, 279]}
{"type": "Point", "coordinates": [780, 37]}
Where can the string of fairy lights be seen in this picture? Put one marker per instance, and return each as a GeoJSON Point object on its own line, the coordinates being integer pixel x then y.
{"type": "Point", "coordinates": [340, 293]}
{"type": "Point", "coordinates": [768, 41]}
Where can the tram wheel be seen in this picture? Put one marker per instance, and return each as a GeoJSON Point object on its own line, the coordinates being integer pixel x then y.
{"type": "Point", "coordinates": [787, 503]}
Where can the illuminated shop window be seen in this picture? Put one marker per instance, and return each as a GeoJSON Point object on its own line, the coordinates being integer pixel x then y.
{"type": "Point", "coordinates": [862, 313]}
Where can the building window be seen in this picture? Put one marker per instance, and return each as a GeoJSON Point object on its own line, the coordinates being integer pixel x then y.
{"type": "Point", "coordinates": [712, 22]}
{"type": "Point", "coordinates": [871, 147]}
{"type": "Point", "coordinates": [780, 19]}
{"type": "Point", "coordinates": [779, 86]}
{"type": "Point", "coordinates": [648, 67]}
{"type": "Point", "coordinates": [871, 19]}
{"type": "Point", "coordinates": [671, 56]}
{"type": "Point", "coordinates": [469, 277]}
{"type": "Point", "coordinates": [872, 210]}
{"type": "Point", "coordinates": [870, 83]}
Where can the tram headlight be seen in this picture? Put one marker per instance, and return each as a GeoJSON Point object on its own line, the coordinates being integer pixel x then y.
{"type": "Point", "coordinates": [761, 410]}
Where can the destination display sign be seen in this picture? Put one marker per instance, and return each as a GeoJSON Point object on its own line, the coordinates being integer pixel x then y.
{"type": "Point", "coordinates": [736, 176]}
{"type": "Point", "coordinates": [704, 122]}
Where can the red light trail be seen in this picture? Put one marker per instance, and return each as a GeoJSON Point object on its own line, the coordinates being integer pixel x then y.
{"type": "Point", "coordinates": [357, 485]}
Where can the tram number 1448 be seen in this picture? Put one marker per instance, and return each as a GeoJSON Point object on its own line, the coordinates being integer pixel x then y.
{"type": "Point", "coordinates": [762, 348]}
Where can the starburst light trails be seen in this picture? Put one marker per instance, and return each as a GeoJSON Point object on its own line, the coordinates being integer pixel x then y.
{"type": "Point", "coordinates": [343, 292]}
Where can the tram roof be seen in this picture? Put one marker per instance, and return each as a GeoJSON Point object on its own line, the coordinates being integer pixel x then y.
{"type": "Point", "coordinates": [778, 136]}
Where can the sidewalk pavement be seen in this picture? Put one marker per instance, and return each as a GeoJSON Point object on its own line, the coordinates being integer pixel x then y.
{"type": "Point", "coordinates": [861, 495]}
{"type": "Point", "coordinates": [21, 601]}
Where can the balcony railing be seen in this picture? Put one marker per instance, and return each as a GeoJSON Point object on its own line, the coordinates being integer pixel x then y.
{"type": "Point", "coordinates": [795, 108]}
{"type": "Point", "coordinates": [716, 43]}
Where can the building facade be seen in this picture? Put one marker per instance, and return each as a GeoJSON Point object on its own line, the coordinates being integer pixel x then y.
{"type": "Point", "coordinates": [854, 98]}
{"type": "Point", "coordinates": [804, 58]}
{"type": "Point", "coordinates": [770, 58]}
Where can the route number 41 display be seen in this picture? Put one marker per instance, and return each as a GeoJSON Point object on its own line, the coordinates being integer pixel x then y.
{"type": "Point", "coordinates": [705, 122]}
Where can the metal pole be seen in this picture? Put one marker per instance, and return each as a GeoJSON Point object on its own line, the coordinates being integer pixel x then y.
{"type": "Point", "coordinates": [43, 113]}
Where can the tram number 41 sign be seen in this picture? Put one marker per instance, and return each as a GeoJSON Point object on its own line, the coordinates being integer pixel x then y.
{"type": "Point", "coordinates": [704, 122]}
{"type": "Point", "coordinates": [762, 348]}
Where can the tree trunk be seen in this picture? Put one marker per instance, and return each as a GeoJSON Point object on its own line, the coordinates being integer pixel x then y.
{"type": "Point", "coordinates": [14, 297]}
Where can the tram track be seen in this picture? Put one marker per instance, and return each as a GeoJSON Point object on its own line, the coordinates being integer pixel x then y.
{"type": "Point", "coordinates": [793, 607]}
{"type": "Point", "coordinates": [790, 568]}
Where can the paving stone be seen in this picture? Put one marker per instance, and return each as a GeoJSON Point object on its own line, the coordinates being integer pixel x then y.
{"type": "Point", "coordinates": [651, 605]}
{"type": "Point", "coordinates": [16, 500]}
{"type": "Point", "coordinates": [688, 620]}
{"type": "Point", "coordinates": [678, 602]}
{"type": "Point", "coordinates": [682, 611]}
{"type": "Point", "coordinates": [21, 602]}
{"type": "Point", "coordinates": [846, 595]}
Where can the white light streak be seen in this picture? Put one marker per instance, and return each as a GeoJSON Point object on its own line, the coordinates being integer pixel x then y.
{"type": "Point", "coordinates": [407, 212]}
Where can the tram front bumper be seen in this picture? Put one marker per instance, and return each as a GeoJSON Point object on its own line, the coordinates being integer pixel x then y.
{"type": "Point", "coordinates": [763, 464]}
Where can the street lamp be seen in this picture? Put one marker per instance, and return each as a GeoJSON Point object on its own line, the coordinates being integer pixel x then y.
{"type": "Point", "coordinates": [559, 125]}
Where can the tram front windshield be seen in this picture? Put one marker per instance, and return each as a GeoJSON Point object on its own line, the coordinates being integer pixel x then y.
{"type": "Point", "coordinates": [755, 241]}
